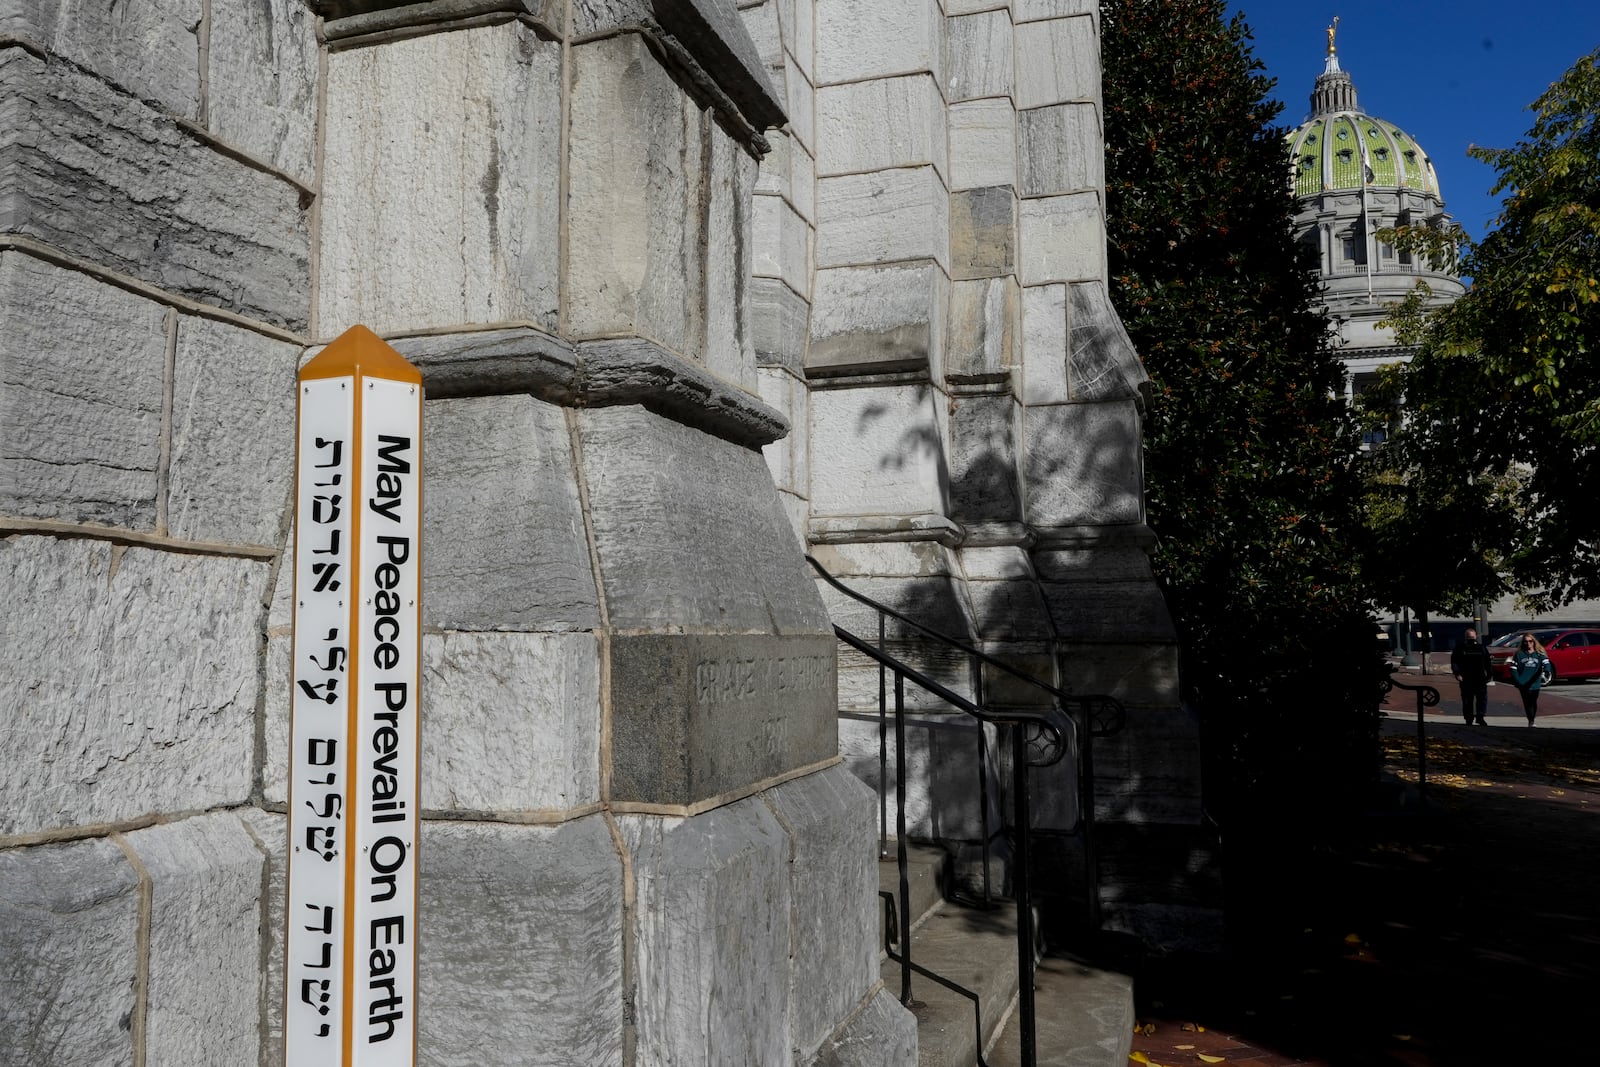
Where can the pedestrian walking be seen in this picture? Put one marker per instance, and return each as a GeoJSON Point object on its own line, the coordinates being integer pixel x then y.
{"type": "Point", "coordinates": [1529, 669]}
{"type": "Point", "coordinates": [1469, 662]}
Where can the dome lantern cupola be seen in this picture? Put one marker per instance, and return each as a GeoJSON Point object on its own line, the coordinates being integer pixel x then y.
{"type": "Point", "coordinates": [1341, 147]}
{"type": "Point", "coordinates": [1334, 90]}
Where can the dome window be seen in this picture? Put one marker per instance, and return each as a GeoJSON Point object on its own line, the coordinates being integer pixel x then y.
{"type": "Point", "coordinates": [1346, 154]}
{"type": "Point", "coordinates": [1382, 155]}
{"type": "Point", "coordinates": [1307, 162]}
{"type": "Point", "coordinates": [1343, 134]}
{"type": "Point", "coordinates": [1411, 155]}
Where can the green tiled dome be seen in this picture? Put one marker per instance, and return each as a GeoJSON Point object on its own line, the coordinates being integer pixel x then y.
{"type": "Point", "coordinates": [1326, 154]}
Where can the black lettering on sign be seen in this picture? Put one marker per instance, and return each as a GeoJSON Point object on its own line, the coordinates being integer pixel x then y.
{"type": "Point", "coordinates": [331, 685]}
{"type": "Point", "coordinates": [336, 445]}
{"type": "Point", "coordinates": [390, 487]}
{"type": "Point", "coordinates": [325, 509]}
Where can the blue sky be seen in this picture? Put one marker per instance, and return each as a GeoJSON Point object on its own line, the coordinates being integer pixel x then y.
{"type": "Point", "coordinates": [1450, 73]}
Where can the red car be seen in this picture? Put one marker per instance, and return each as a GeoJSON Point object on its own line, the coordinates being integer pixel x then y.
{"type": "Point", "coordinates": [1573, 653]}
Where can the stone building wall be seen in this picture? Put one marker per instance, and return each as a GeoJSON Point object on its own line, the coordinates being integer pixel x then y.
{"type": "Point", "coordinates": [638, 844]}
{"type": "Point", "coordinates": [632, 245]}
{"type": "Point", "coordinates": [966, 407]}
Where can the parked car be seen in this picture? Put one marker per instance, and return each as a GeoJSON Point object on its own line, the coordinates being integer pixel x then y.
{"type": "Point", "coordinates": [1573, 653]}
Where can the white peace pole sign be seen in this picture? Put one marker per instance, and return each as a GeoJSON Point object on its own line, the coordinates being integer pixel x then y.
{"type": "Point", "coordinates": [350, 997]}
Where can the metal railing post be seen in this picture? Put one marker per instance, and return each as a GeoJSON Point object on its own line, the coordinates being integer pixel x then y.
{"type": "Point", "coordinates": [900, 832]}
{"type": "Point", "coordinates": [883, 752]}
{"type": "Point", "coordinates": [1427, 696]}
{"type": "Point", "coordinates": [1024, 895]}
{"type": "Point", "coordinates": [983, 779]}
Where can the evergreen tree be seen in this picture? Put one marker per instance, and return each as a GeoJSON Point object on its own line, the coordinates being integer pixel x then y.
{"type": "Point", "coordinates": [1250, 451]}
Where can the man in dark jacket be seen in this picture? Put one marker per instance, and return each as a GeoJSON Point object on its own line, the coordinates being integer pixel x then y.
{"type": "Point", "coordinates": [1469, 662]}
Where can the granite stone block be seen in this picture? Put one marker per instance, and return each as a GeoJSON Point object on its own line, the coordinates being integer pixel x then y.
{"type": "Point", "coordinates": [1044, 344]}
{"type": "Point", "coordinates": [881, 1034]}
{"type": "Point", "coordinates": [1062, 149]}
{"type": "Point", "coordinates": [781, 242]}
{"type": "Point", "coordinates": [1063, 239]}
{"type": "Point", "coordinates": [857, 41]}
{"type": "Point", "coordinates": [1033, 10]}
{"type": "Point", "coordinates": [1084, 610]}
{"type": "Point", "coordinates": [980, 339]}
{"type": "Point", "coordinates": [443, 205]}
{"type": "Point", "coordinates": [876, 318]}
{"type": "Point", "coordinates": [233, 409]}
{"type": "Point", "coordinates": [1057, 61]}
{"type": "Point", "coordinates": [502, 522]}
{"type": "Point", "coordinates": [1102, 363]}
{"type": "Point", "coordinates": [878, 450]}
{"type": "Point", "coordinates": [148, 48]}
{"type": "Point", "coordinates": [275, 739]}
{"type": "Point", "coordinates": [978, 55]}
{"type": "Point", "coordinates": [107, 178]}
{"type": "Point", "coordinates": [693, 717]}
{"type": "Point", "coordinates": [830, 818]}
{"type": "Point", "coordinates": [983, 233]}
{"type": "Point", "coordinates": [780, 319]}
{"type": "Point", "coordinates": [728, 350]}
{"type": "Point", "coordinates": [521, 949]}
{"type": "Point", "coordinates": [881, 217]}
{"type": "Point", "coordinates": [985, 456]}
{"type": "Point", "coordinates": [697, 543]}
{"type": "Point", "coordinates": [1138, 674]}
{"type": "Point", "coordinates": [803, 183]}
{"type": "Point", "coordinates": [786, 458]}
{"type": "Point", "coordinates": [206, 918]}
{"type": "Point", "coordinates": [82, 368]}
{"type": "Point", "coordinates": [512, 722]}
{"type": "Point", "coordinates": [69, 927]}
{"type": "Point", "coordinates": [262, 86]}
{"type": "Point", "coordinates": [270, 833]}
{"type": "Point", "coordinates": [135, 674]}
{"type": "Point", "coordinates": [1083, 466]}
{"type": "Point", "coordinates": [638, 159]}
{"type": "Point", "coordinates": [800, 100]}
{"type": "Point", "coordinates": [983, 144]}
{"type": "Point", "coordinates": [886, 122]}
{"type": "Point", "coordinates": [710, 937]}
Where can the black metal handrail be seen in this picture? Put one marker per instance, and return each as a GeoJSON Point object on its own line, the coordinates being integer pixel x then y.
{"type": "Point", "coordinates": [1111, 709]}
{"type": "Point", "coordinates": [1098, 715]}
{"type": "Point", "coordinates": [1101, 716]}
{"type": "Point", "coordinates": [1427, 696]}
{"type": "Point", "coordinates": [1049, 726]}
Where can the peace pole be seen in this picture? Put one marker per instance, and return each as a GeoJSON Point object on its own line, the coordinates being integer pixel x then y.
{"type": "Point", "coordinates": [350, 997]}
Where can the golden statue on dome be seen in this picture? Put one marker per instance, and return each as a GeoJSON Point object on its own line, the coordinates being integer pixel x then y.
{"type": "Point", "coordinates": [1332, 29]}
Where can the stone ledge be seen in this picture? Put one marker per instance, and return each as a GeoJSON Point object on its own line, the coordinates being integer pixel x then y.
{"type": "Point", "coordinates": [354, 21]}
{"type": "Point", "coordinates": [709, 46]}
{"type": "Point", "coordinates": [852, 529]}
{"type": "Point", "coordinates": [591, 374]}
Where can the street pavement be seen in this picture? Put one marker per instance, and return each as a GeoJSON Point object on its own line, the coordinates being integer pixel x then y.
{"type": "Point", "coordinates": [1574, 705]}
{"type": "Point", "coordinates": [1454, 926]}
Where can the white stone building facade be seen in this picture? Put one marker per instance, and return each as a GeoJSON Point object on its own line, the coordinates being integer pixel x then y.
{"type": "Point", "coordinates": [631, 244]}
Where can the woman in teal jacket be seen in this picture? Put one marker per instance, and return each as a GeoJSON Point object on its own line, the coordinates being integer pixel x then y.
{"type": "Point", "coordinates": [1529, 668]}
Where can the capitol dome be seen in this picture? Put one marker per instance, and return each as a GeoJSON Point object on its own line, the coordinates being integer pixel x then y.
{"type": "Point", "coordinates": [1354, 178]}
{"type": "Point", "coordinates": [1327, 153]}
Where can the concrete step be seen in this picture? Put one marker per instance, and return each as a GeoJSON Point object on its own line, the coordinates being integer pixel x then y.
{"type": "Point", "coordinates": [975, 949]}
{"type": "Point", "coordinates": [925, 873]}
{"type": "Point", "coordinates": [1084, 1016]}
